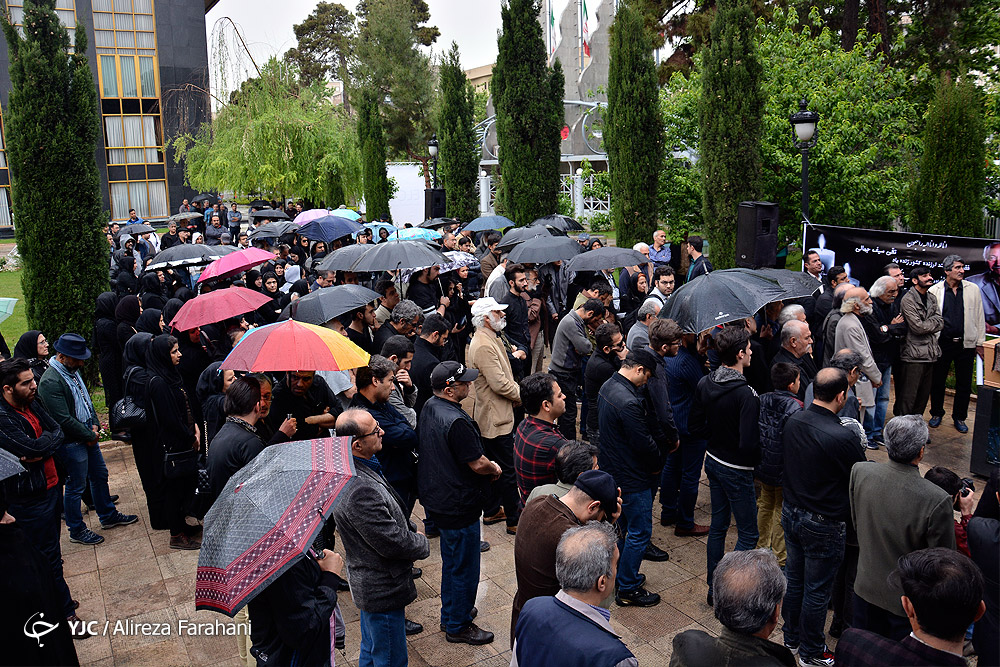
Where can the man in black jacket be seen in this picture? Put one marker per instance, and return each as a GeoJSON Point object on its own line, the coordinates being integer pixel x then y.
{"type": "Point", "coordinates": [819, 455]}
{"type": "Point", "coordinates": [309, 400]}
{"type": "Point", "coordinates": [428, 352]}
{"type": "Point", "coordinates": [891, 329]}
{"type": "Point", "coordinates": [517, 317]}
{"type": "Point", "coordinates": [629, 450]}
{"type": "Point", "coordinates": [604, 362]}
{"type": "Point", "coordinates": [33, 496]}
{"type": "Point", "coordinates": [725, 413]}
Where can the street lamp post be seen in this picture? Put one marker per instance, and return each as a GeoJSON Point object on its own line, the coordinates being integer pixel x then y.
{"type": "Point", "coordinates": [804, 122]}
{"type": "Point", "coordinates": [434, 200]}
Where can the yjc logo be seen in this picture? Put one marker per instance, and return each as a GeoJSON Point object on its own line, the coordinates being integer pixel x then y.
{"type": "Point", "coordinates": [39, 628]}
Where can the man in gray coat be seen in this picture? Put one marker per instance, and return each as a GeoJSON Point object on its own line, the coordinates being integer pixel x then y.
{"type": "Point", "coordinates": [851, 334]}
{"type": "Point", "coordinates": [920, 349]}
{"type": "Point", "coordinates": [380, 543]}
{"type": "Point", "coordinates": [895, 511]}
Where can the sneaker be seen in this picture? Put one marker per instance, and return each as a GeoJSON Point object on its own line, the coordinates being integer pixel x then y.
{"type": "Point", "coordinates": [484, 546]}
{"type": "Point", "coordinates": [184, 542]}
{"type": "Point", "coordinates": [637, 597]}
{"type": "Point", "coordinates": [86, 536]}
{"type": "Point", "coordinates": [824, 659]}
{"type": "Point", "coordinates": [119, 519]}
{"type": "Point", "coordinates": [77, 628]}
{"type": "Point", "coordinates": [871, 444]}
{"type": "Point", "coordinates": [473, 635]}
{"type": "Point", "coordinates": [934, 422]}
{"type": "Point", "coordinates": [494, 518]}
{"type": "Point", "coordinates": [960, 426]}
{"type": "Point", "coordinates": [793, 649]}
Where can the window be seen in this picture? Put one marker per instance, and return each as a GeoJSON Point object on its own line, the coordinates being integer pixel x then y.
{"type": "Point", "coordinates": [5, 217]}
{"type": "Point", "coordinates": [65, 10]}
{"type": "Point", "coordinates": [125, 34]}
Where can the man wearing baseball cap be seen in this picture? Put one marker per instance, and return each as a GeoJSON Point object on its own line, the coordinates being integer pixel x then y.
{"type": "Point", "coordinates": [453, 475]}
{"type": "Point", "coordinates": [496, 396]}
{"type": "Point", "coordinates": [64, 396]}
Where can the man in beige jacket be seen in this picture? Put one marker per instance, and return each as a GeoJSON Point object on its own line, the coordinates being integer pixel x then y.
{"type": "Point", "coordinates": [496, 394]}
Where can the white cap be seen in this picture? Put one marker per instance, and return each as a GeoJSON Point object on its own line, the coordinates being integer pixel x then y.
{"type": "Point", "coordinates": [486, 305]}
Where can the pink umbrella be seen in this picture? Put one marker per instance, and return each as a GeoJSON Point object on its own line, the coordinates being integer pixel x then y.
{"type": "Point", "coordinates": [234, 262]}
{"type": "Point", "coordinates": [310, 215]}
{"type": "Point", "coordinates": [217, 306]}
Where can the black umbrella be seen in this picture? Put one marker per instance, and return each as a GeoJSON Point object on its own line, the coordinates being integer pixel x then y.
{"type": "Point", "coordinates": [323, 305]}
{"type": "Point", "coordinates": [561, 222]}
{"type": "Point", "coordinates": [606, 258]}
{"type": "Point", "coordinates": [189, 254]}
{"type": "Point", "coordinates": [136, 228]}
{"type": "Point", "coordinates": [719, 297]}
{"type": "Point", "coordinates": [434, 223]}
{"type": "Point", "coordinates": [393, 255]}
{"type": "Point", "coordinates": [328, 228]}
{"type": "Point", "coordinates": [795, 283]}
{"type": "Point", "coordinates": [205, 197]}
{"type": "Point", "coordinates": [9, 465]}
{"type": "Point", "coordinates": [342, 259]}
{"type": "Point", "coordinates": [260, 203]}
{"type": "Point", "coordinates": [521, 234]}
{"type": "Point", "coordinates": [182, 218]}
{"type": "Point", "coordinates": [270, 214]}
{"type": "Point", "coordinates": [543, 249]}
{"type": "Point", "coordinates": [488, 223]}
{"type": "Point", "coordinates": [273, 230]}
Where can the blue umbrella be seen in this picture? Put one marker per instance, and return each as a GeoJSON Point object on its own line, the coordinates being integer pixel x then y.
{"type": "Point", "coordinates": [346, 213]}
{"type": "Point", "coordinates": [488, 223]}
{"type": "Point", "coordinates": [328, 228]}
{"type": "Point", "coordinates": [412, 233]}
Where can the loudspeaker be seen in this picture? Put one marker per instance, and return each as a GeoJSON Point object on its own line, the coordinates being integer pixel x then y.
{"type": "Point", "coordinates": [434, 203]}
{"type": "Point", "coordinates": [756, 234]}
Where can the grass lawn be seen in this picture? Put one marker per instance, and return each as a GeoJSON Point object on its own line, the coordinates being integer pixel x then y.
{"type": "Point", "coordinates": [16, 324]}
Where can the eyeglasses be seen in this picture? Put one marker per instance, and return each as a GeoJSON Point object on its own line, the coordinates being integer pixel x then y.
{"type": "Point", "coordinates": [378, 429]}
{"type": "Point", "coordinates": [619, 346]}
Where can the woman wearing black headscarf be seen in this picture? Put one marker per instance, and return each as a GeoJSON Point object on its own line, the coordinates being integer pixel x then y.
{"type": "Point", "coordinates": [169, 312]}
{"type": "Point", "coordinates": [268, 313]}
{"type": "Point", "coordinates": [151, 291]}
{"type": "Point", "coordinates": [107, 347]}
{"type": "Point", "coordinates": [211, 394]}
{"type": "Point", "coordinates": [253, 280]}
{"type": "Point", "coordinates": [125, 280]}
{"type": "Point", "coordinates": [176, 431]}
{"type": "Point", "coordinates": [196, 358]}
{"type": "Point", "coordinates": [127, 313]}
{"type": "Point", "coordinates": [33, 347]}
{"type": "Point", "coordinates": [151, 322]}
{"type": "Point", "coordinates": [146, 448]}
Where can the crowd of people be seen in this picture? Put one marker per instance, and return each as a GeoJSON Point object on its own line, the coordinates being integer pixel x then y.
{"type": "Point", "coordinates": [557, 404]}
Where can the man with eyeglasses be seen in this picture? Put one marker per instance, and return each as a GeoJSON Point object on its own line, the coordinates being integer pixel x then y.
{"type": "Point", "coordinates": [453, 476]}
{"type": "Point", "coordinates": [379, 541]}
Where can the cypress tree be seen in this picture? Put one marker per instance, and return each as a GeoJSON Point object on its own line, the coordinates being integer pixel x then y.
{"type": "Point", "coordinates": [372, 142]}
{"type": "Point", "coordinates": [53, 126]}
{"type": "Point", "coordinates": [524, 92]}
{"type": "Point", "coordinates": [730, 121]}
{"type": "Point", "coordinates": [947, 196]}
{"type": "Point", "coordinates": [459, 162]}
{"type": "Point", "coordinates": [633, 128]}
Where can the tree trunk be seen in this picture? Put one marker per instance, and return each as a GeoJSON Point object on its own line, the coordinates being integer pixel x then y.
{"type": "Point", "coordinates": [849, 26]}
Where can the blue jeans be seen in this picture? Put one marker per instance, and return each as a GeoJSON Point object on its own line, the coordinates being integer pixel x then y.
{"type": "Point", "coordinates": [815, 546]}
{"type": "Point", "coordinates": [459, 576]}
{"type": "Point", "coordinates": [680, 480]}
{"type": "Point", "coordinates": [39, 520]}
{"type": "Point", "coordinates": [732, 497]}
{"type": "Point", "coordinates": [875, 420]}
{"type": "Point", "coordinates": [83, 463]}
{"type": "Point", "coordinates": [383, 639]}
{"type": "Point", "coordinates": [636, 523]}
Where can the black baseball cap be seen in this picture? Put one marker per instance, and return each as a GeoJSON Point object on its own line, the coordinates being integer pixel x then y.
{"type": "Point", "coordinates": [599, 485]}
{"type": "Point", "coordinates": [448, 373]}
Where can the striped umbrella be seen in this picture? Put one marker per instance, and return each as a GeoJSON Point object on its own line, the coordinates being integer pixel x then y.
{"type": "Point", "coordinates": [294, 346]}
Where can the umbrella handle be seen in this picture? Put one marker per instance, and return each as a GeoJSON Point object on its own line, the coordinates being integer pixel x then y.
{"type": "Point", "coordinates": [317, 555]}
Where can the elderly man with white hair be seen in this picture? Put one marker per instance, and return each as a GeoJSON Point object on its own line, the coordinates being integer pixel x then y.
{"type": "Point", "coordinates": [796, 348]}
{"type": "Point", "coordinates": [638, 335]}
{"type": "Point", "coordinates": [496, 394]}
{"type": "Point", "coordinates": [890, 330]}
{"type": "Point", "coordinates": [850, 334]}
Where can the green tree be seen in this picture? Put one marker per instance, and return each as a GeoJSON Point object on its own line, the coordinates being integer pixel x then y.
{"type": "Point", "coordinates": [459, 161]}
{"type": "Point", "coordinates": [324, 43]}
{"type": "Point", "coordinates": [373, 156]}
{"type": "Point", "coordinates": [861, 166]}
{"type": "Point", "coordinates": [730, 115]}
{"type": "Point", "coordinates": [52, 126]}
{"type": "Point", "coordinates": [276, 138]}
{"type": "Point", "coordinates": [419, 14]}
{"type": "Point", "coordinates": [947, 196]}
{"type": "Point", "coordinates": [527, 95]}
{"type": "Point", "coordinates": [389, 66]}
{"type": "Point", "coordinates": [633, 129]}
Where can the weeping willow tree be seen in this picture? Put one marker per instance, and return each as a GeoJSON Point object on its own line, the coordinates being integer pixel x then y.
{"type": "Point", "coordinates": [276, 138]}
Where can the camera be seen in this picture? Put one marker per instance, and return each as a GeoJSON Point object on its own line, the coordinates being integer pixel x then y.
{"type": "Point", "coordinates": [968, 488]}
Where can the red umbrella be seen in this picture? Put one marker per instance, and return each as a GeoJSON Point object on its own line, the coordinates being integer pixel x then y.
{"type": "Point", "coordinates": [216, 306]}
{"type": "Point", "coordinates": [235, 262]}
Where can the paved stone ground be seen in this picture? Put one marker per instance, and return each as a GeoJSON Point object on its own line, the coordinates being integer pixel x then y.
{"type": "Point", "coordinates": [134, 576]}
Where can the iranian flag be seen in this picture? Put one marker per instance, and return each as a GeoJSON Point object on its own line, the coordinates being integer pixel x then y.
{"type": "Point", "coordinates": [590, 23]}
{"type": "Point", "coordinates": [556, 9]}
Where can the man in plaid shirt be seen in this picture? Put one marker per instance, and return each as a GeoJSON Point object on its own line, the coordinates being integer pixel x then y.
{"type": "Point", "coordinates": [537, 439]}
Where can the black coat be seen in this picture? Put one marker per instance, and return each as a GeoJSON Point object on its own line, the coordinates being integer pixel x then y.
{"type": "Point", "coordinates": [775, 409]}
{"type": "Point", "coordinates": [725, 412]}
{"type": "Point", "coordinates": [425, 357]}
{"type": "Point", "coordinates": [631, 437]}
{"type": "Point", "coordinates": [233, 447]}
{"type": "Point", "coordinates": [984, 544]}
{"type": "Point", "coordinates": [600, 368]}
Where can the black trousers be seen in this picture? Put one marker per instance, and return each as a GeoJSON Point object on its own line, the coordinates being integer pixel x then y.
{"type": "Point", "coordinates": [964, 359]}
{"type": "Point", "coordinates": [504, 490]}
{"type": "Point", "coordinates": [567, 422]}
{"type": "Point", "coordinates": [177, 497]}
{"type": "Point", "coordinates": [913, 387]}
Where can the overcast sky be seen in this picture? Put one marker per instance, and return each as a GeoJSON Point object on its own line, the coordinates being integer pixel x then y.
{"type": "Point", "coordinates": [267, 26]}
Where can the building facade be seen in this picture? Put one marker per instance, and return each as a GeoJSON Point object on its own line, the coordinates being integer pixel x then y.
{"type": "Point", "coordinates": [149, 59]}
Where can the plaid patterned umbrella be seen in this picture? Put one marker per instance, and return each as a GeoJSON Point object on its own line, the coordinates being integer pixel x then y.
{"type": "Point", "coordinates": [266, 519]}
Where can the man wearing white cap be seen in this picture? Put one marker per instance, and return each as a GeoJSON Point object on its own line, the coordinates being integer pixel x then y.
{"type": "Point", "coordinates": [496, 394]}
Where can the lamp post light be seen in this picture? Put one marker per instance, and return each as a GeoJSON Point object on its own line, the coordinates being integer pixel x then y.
{"type": "Point", "coordinates": [434, 199]}
{"type": "Point", "coordinates": [804, 122]}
